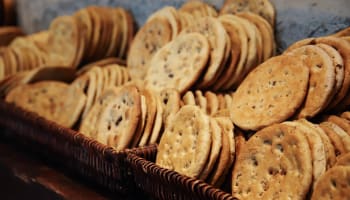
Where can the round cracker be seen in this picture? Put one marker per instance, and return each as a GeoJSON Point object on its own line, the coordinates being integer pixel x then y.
{"type": "Point", "coordinates": [187, 54]}
{"type": "Point", "coordinates": [170, 100]}
{"type": "Point", "coordinates": [287, 176]}
{"type": "Point", "coordinates": [185, 144]}
{"type": "Point", "coordinates": [151, 37]}
{"type": "Point", "coordinates": [120, 118]}
{"type": "Point", "coordinates": [271, 93]}
{"type": "Point", "coordinates": [333, 185]}
{"type": "Point", "coordinates": [215, 33]}
{"type": "Point", "coordinates": [321, 82]}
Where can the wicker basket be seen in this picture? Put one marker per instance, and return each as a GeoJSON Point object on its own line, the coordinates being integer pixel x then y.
{"type": "Point", "coordinates": [165, 184]}
{"type": "Point", "coordinates": [71, 150]}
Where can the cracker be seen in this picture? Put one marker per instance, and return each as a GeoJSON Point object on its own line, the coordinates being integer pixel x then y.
{"type": "Point", "coordinates": [168, 13]}
{"type": "Point", "coordinates": [334, 138]}
{"type": "Point", "coordinates": [201, 101]}
{"type": "Point", "coordinates": [170, 100]}
{"type": "Point", "coordinates": [343, 160]}
{"type": "Point", "coordinates": [198, 9]}
{"type": "Point", "coordinates": [329, 149]}
{"type": "Point", "coordinates": [136, 138]}
{"type": "Point", "coordinates": [187, 54]}
{"type": "Point", "coordinates": [322, 79]}
{"type": "Point", "coordinates": [150, 117]}
{"type": "Point", "coordinates": [90, 82]}
{"type": "Point", "coordinates": [230, 20]}
{"type": "Point", "coordinates": [224, 164]}
{"type": "Point", "coordinates": [158, 123]}
{"type": "Point", "coordinates": [55, 101]}
{"type": "Point", "coordinates": [342, 123]}
{"type": "Point", "coordinates": [271, 93]}
{"type": "Point", "coordinates": [212, 102]}
{"type": "Point", "coordinates": [215, 33]}
{"type": "Point", "coordinates": [89, 124]}
{"type": "Point", "coordinates": [344, 137]}
{"type": "Point", "coordinates": [287, 176]}
{"type": "Point", "coordinates": [338, 65]}
{"type": "Point", "coordinates": [64, 39]}
{"type": "Point", "coordinates": [318, 153]}
{"type": "Point", "coordinates": [151, 37]}
{"type": "Point", "coordinates": [215, 150]}
{"type": "Point", "coordinates": [263, 8]}
{"type": "Point", "coordinates": [120, 118]}
{"type": "Point", "coordinates": [342, 33]}
{"type": "Point", "coordinates": [345, 115]}
{"type": "Point", "coordinates": [185, 144]}
{"type": "Point", "coordinates": [333, 185]}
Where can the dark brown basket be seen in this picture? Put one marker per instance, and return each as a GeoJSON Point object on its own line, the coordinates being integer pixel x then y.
{"type": "Point", "coordinates": [71, 150]}
{"type": "Point", "coordinates": [165, 184]}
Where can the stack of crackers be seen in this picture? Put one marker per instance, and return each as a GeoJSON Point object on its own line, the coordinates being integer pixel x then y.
{"type": "Point", "coordinates": [310, 77]}
{"type": "Point", "coordinates": [86, 36]}
{"type": "Point", "coordinates": [214, 51]}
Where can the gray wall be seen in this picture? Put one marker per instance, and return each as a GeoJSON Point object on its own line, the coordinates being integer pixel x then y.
{"type": "Point", "coordinates": [296, 19]}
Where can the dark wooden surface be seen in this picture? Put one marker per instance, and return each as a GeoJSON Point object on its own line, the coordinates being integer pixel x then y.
{"type": "Point", "coordinates": [25, 176]}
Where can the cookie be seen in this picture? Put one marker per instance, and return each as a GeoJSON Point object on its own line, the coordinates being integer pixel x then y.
{"type": "Point", "coordinates": [186, 142]}
{"type": "Point", "coordinates": [187, 54]}
{"type": "Point", "coordinates": [271, 93]}
{"type": "Point", "coordinates": [321, 82]}
{"type": "Point", "coordinates": [288, 175]}
{"type": "Point", "coordinates": [120, 118]}
{"type": "Point", "coordinates": [333, 185]}
{"type": "Point", "coordinates": [151, 37]}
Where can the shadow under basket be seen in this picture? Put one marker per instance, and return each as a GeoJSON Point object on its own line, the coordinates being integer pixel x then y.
{"type": "Point", "coordinates": [71, 150]}
{"type": "Point", "coordinates": [164, 184]}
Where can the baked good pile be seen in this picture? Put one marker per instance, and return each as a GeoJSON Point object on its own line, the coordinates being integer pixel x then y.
{"type": "Point", "coordinates": [204, 84]}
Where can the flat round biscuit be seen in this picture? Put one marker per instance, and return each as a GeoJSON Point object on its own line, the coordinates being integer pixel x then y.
{"type": "Point", "coordinates": [168, 13]}
{"type": "Point", "coordinates": [318, 153]}
{"type": "Point", "coordinates": [271, 93]}
{"type": "Point", "coordinates": [170, 100]}
{"type": "Point", "coordinates": [321, 82]}
{"type": "Point", "coordinates": [264, 8]}
{"type": "Point", "coordinates": [329, 149]}
{"type": "Point", "coordinates": [338, 65]}
{"type": "Point", "coordinates": [343, 160]}
{"type": "Point", "coordinates": [333, 185]}
{"type": "Point", "coordinates": [64, 39]}
{"type": "Point", "coordinates": [158, 123]}
{"type": "Point", "coordinates": [185, 144]}
{"type": "Point", "coordinates": [88, 126]}
{"type": "Point", "coordinates": [342, 33]}
{"type": "Point", "coordinates": [212, 102]}
{"type": "Point", "coordinates": [151, 37]}
{"type": "Point", "coordinates": [151, 115]}
{"type": "Point", "coordinates": [119, 118]}
{"type": "Point", "coordinates": [342, 123]}
{"type": "Point", "coordinates": [227, 153]}
{"type": "Point", "coordinates": [215, 33]}
{"type": "Point", "coordinates": [187, 54]}
{"type": "Point", "coordinates": [338, 145]}
{"type": "Point", "coordinates": [53, 100]}
{"type": "Point", "coordinates": [344, 137]}
{"type": "Point", "coordinates": [230, 20]}
{"type": "Point", "coordinates": [189, 99]}
{"type": "Point", "coordinates": [287, 176]}
{"type": "Point", "coordinates": [198, 9]}
{"type": "Point", "coordinates": [215, 150]}
{"type": "Point", "coordinates": [201, 101]}
{"type": "Point", "coordinates": [266, 33]}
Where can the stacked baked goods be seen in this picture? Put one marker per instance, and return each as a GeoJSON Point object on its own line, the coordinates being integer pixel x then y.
{"type": "Point", "coordinates": [71, 41]}
{"type": "Point", "coordinates": [203, 84]}
{"type": "Point", "coordinates": [215, 52]}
